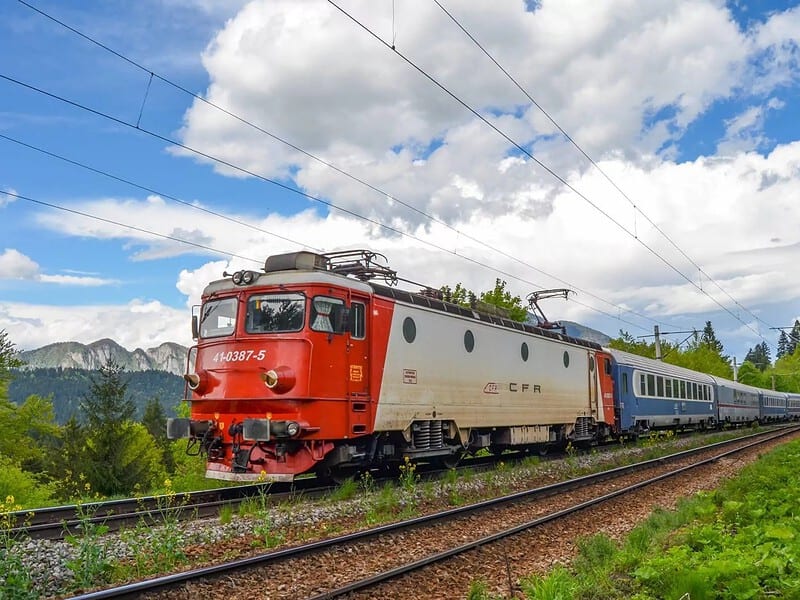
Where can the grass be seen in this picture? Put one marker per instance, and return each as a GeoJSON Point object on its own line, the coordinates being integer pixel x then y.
{"type": "Point", "coordinates": [740, 541]}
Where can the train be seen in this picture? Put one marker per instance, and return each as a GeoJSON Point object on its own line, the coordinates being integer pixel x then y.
{"type": "Point", "coordinates": [320, 363]}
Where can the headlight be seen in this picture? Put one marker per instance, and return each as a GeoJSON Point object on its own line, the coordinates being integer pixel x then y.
{"type": "Point", "coordinates": [248, 277]}
{"type": "Point", "coordinates": [237, 278]}
{"type": "Point", "coordinates": [280, 379]}
{"type": "Point", "coordinates": [292, 428]}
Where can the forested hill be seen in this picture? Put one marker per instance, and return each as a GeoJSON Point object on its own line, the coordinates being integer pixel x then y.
{"type": "Point", "coordinates": [66, 388]}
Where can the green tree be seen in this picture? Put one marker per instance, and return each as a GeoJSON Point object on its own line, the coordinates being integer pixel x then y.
{"type": "Point", "coordinates": [794, 337]}
{"type": "Point", "coordinates": [9, 360]}
{"type": "Point", "coordinates": [502, 298]}
{"type": "Point", "coordinates": [703, 358]}
{"type": "Point", "coordinates": [750, 374]}
{"type": "Point", "coordinates": [119, 453]}
{"type": "Point", "coordinates": [709, 339]}
{"type": "Point", "coordinates": [459, 295]}
{"type": "Point", "coordinates": [783, 345]}
{"type": "Point", "coordinates": [155, 421]}
{"type": "Point", "coordinates": [628, 343]}
{"type": "Point", "coordinates": [69, 462]}
{"type": "Point", "coordinates": [759, 356]}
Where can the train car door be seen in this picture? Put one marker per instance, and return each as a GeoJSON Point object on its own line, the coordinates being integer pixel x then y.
{"type": "Point", "coordinates": [358, 366]}
{"type": "Point", "coordinates": [606, 383]}
{"type": "Point", "coordinates": [594, 409]}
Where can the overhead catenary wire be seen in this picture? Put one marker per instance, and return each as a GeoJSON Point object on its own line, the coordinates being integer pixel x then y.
{"type": "Point", "coordinates": [158, 193]}
{"type": "Point", "coordinates": [593, 162]}
{"type": "Point", "coordinates": [152, 74]}
{"type": "Point", "coordinates": [527, 153]}
{"type": "Point", "coordinates": [129, 226]}
{"type": "Point", "coordinates": [296, 191]}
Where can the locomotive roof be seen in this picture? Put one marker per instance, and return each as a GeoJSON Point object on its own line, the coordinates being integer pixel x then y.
{"type": "Point", "coordinates": [353, 268]}
{"type": "Point", "coordinates": [656, 366]}
{"type": "Point", "coordinates": [288, 277]}
{"type": "Point", "coordinates": [455, 309]}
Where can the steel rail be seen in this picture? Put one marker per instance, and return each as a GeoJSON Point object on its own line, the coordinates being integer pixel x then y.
{"type": "Point", "coordinates": [538, 522]}
{"type": "Point", "coordinates": [167, 581]}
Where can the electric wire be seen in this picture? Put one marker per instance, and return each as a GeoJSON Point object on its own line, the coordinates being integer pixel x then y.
{"type": "Point", "coordinates": [128, 226]}
{"type": "Point", "coordinates": [592, 161]}
{"type": "Point", "coordinates": [153, 191]}
{"type": "Point", "coordinates": [152, 74]}
{"type": "Point", "coordinates": [304, 194]}
{"type": "Point", "coordinates": [522, 149]}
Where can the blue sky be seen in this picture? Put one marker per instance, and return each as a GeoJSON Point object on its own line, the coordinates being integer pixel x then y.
{"type": "Point", "coordinates": [689, 109]}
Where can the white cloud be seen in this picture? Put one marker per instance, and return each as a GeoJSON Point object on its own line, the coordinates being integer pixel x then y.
{"type": "Point", "coordinates": [6, 199]}
{"type": "Point", "coordinates": [36, 325]}
{"type": "Point", "coordinates": [625, 79]}
{"type": "Point", "coordinates": [15, 265]}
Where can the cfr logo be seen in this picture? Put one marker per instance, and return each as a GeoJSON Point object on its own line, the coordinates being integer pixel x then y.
{"type": "Point", "coordinates": [494, 388]}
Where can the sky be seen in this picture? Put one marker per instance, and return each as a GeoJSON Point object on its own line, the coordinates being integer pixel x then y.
{"type": "Point", "coordinates": [645, 155]}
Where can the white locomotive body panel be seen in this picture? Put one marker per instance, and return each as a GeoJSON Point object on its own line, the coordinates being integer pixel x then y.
{"type": "Point", "coordinates": [434, 376]}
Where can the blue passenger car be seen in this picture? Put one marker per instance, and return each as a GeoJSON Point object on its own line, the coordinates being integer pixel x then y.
{"type": "Point", "coordinates": [653, 394]}
{"type": "Point", "coordinates": [773, 406]}
{"type": "Point", "coordinates": [738, 404]}
{"type": "Point", "coordinates": [793, 406]}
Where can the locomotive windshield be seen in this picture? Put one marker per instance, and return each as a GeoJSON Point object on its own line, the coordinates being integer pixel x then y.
{"type": "Point", "coordinates": [272, 313]}
{"type": "Point", "coordinates": [218, 318]}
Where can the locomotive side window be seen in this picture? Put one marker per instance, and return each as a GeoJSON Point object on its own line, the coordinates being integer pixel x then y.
{"type": "Point", "coordinates": [358, 313]}
{"type": "Point", "coordinates": [524, 351]}
{"type": "Point", "coordinates": [668, 388]}
{"type": "Point", "coordinates": [660, 386]}
{"type": "Point", "coordinates": [651, 385]}
{"type": "Point", "coordinates": [325, 313]}
{"type": "Point", "coordinates": [625, 383]}
{"type": "Point", "coordinates": [469, 341]}
{"type": "Point", "coordinates": [409, 330]}
{"type": "Point", "coordinates": [218, 318]}
{"type": "Point", "coordinates": [272, 313]}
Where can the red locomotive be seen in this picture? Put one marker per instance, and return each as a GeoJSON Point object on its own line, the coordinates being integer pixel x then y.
{"type": "Point", "coordinates": [312, 366]}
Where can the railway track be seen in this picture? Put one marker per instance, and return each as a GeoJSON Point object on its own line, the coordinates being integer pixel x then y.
{"type": "Point", "coordinates": [57, 522]}
{"type": "Point", "coordinates": [356, 564]}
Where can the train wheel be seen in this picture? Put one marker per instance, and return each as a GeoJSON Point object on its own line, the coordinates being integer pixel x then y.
{"type": "Point", "coordinates": [338, 475]}
{"type": "Point", "coordinates": [496, 450]}
{"type": "Point", "coordinates": [451, 460]}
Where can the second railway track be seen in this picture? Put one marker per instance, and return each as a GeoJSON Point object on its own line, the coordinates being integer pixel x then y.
{"type": "Point", "coordinates": [356, 563]}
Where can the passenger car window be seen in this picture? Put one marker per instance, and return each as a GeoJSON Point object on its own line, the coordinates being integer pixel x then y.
{"type": "Point", "coordinates": [218, 318]}
{"type": "Point", "coordinates": [274, 313]}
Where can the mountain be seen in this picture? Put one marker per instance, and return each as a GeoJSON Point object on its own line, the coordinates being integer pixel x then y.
{"type": "Point", "coordinates": [73, 355]}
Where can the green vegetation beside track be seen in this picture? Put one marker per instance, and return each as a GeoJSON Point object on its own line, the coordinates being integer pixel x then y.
{"type": "Point", "coordinates": [739, 541]}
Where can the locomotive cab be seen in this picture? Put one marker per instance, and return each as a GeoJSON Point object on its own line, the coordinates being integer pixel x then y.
{"type": "Point", "coordinates": [281, 366]}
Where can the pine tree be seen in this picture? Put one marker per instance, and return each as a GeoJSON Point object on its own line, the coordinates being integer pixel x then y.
{"type": "Point", "coordinates": [155, 420]}
{"type": "Point", "coordinates": [783, 345]}
{"type": "Point", "coordinates": [8, 360]}
{"type": "Point", "coordinates": [794, 337]}
{"type": "Point", "coordinates": [117, 456]}
{"type": "Point", "coordinates": [709, 339]}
